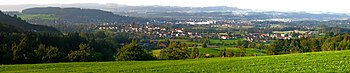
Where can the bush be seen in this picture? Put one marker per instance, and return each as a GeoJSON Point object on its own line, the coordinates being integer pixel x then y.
{"type": "Point", "coordinates": [242, 51]}
{"type": "Point", "coordinates": [133, 52]}
{"type": "Point", "coordinates": [225, 53]}
{"type": "Point", "coordinates": [206, 56]}
{"type": "Point", "coordinates": [195, 52]}
{"type": "Point", "coordinates": [204, 45]}
{"type": "Point", "coordinates": [175, 51]}
{"type": "Point", "coordinates": [82, 55]}
{"type": "Point", "coordinates": [48, 54]}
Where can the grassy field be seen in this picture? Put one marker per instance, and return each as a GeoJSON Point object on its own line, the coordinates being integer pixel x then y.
{"type": "Point", "coordinates": [180, 40]}
{"type": "Point", "coordinates": [215, 51]}
{"type": "Point", "coordinates": [336, 61]}
{"type": "Point", "coordinates": [286, 32]}
{"type": "Point", "coordinates": [212, 41]}
{"type": "Point", "coordinates": [38, 17]}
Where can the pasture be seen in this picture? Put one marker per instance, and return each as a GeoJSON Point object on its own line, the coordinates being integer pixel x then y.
{"type": "Point", "coordinates": [334, 61]}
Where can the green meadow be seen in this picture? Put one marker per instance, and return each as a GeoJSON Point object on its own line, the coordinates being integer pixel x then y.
{"type": "Point", "coordinates": [334, 61]}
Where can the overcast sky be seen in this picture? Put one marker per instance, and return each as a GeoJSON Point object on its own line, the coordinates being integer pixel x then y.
{"type": "Point", "coordinates": [342, 6]}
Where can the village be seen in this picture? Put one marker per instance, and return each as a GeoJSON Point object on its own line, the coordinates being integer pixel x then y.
{"type": "Point", "coordinates": [213, 30]}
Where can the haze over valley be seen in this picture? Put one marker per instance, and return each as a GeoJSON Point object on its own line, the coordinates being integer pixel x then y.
{"type": "Point", "coordinates": [174, 36]}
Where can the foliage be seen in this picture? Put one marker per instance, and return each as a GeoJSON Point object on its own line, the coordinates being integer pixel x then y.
{"type": "Point", "coordinates": [175, 51]}
{"type": "Point", "coordinates": [195, 52]}
{"type": "Point", "coordinates": [83, 54]}
{"type": "Point", "coordinates": [204, 45]}
{"type": "Point", "coordinates": [18, 24]}
{"type": "Point", "coordinates": [22, 52]}
{"type": "Point", "coordinates": [302, 45]}
{"type": "Point", "coordinates": [76, 16]}
{"type": "Point", "coordinates": [242, 51]}
{"type": "Point", "coordinates": [48, 54]}
{"type": "Point", "coordinates": [34, 47]}
{"type": "Point", "coordinates": [226, 53]}
{"type": "Point", "coordinates": [133, 52]}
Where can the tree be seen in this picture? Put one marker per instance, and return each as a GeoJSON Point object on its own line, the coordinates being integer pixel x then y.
{"type": "Point", "coordinates": [5, 55]}
{"type": "Point", "coordinates": [229, 53]}
{"type": "Point", "coordinates": [314, 45]}
{"type": "Point", "coordinates": [294, 48]}
{"type": "Point", "coordinates": [259, 46]}
{"type": "Point", "coordinates": [175, 51]}
{"type": "Point", "coordinates": [133, 52]}
{"type": "Point", "coordinates": [242, 51]}
{"type": "Point", "coordinates": [48, 54]}
{"type": "Point", "coordinates": [270, 49]}
{"type": "Point", "coordinates": [332, 46]}
{"type": "Point", "coordinates": [342, 45]}
{"type": "Point", "coordinates": [195, 52]}
{"type": "Point", "coordinates": [305, 45]}
{"type": "Point", "coordinates": [226, 53]}
{"type": "Point", "coordinates": [348, 45]}
{"type": "Point", "coordinates": [325, 45]}
{"type": "Point", "coordinates": [204, 45]}
{"type": "Point", "coordinates": [82, 55]}
{"type": "Point", "coordinates": [222, 53]}
{"type": "Point", "coordinates": [252, 45]}
{"type": "Point", "coordinates": [22, 52]}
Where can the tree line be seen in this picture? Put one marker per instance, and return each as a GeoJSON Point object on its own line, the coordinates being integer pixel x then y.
{"type": "Point", "coordinates": [31, 47]}
{"type": "Point", "coordinates": [302, 45]}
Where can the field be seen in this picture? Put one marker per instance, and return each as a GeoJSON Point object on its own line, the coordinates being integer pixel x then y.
{"type": "Point", "coordinates": [212, 41]}
{"type": "Point", "coordinates": [38, 17]}
{"type": "Point", "coordinates": [335, 61]}
{"type": "Point", "coordinates": [215, 51]}
{"type": "Point", "coordinates": [286, 32]}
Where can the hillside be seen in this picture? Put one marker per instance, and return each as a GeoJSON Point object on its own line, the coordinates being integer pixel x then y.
{"type": "Point", "coordinates": [335, 61]}
{"type": "Point", "coordinates": [13, 24]}
{"type": "Point", "coordinates": [9, 28]}
{"type": "Point", "coordinates": [56, 15]}
{"type": "Point", "coordinates": [220, 13]}
{"type": "Point", "coordinates": [212, 12]}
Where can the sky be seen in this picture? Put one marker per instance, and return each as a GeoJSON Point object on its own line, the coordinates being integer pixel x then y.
{"type": "Point", "coordinates": [340, 6]}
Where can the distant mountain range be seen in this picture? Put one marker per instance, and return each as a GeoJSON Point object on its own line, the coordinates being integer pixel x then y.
{"type": "Point", "coordinates": [221, 13]}
{"type": "Point", "coordinates": [175, 12]}
{"type": "Point", "coordinates": [14, 24]}
{"type": "Point", "coordinates": [82, 16]}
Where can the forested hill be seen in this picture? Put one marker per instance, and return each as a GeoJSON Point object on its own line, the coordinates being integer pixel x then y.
{"type": "Point", "coordinates": [79, 16]}
{"type": "Point", "coordinates": [15, 24]}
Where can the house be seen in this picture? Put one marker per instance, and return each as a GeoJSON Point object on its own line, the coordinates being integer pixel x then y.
{"type": "Point", "coordinates": [180, 30]}
{"type": "Point", "coordinates": [225, 37]}
{"type": "Point", "coordinates": [163, 45]}
{"type": "Point", "coordinates": [189, 33]}
{"type": "Point", "coordinates": [163, 29]}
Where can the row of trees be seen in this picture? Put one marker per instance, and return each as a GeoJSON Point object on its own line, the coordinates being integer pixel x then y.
{"type": "Point", "coordinates": [338, 42]}
{"type": "Point", "coordinates": [80, 47]}
{"type": "Point", "coordinates": [175, 51]}
{"type": "Point", "coordinates": [33, 47]}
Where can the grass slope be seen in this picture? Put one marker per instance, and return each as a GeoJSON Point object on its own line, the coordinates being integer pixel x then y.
{"type": "Point", "coordinates": [47, 17]}
{"type": "Point", "coordinates": [336, 61]}
{"type": "Point", "coordinates": [215, 51]}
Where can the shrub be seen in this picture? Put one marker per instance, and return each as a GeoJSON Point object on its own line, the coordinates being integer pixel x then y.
{"type": "Point", "coordinates": [133, 52]}
{"type": "Point", "coordinates": [175, 51]}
